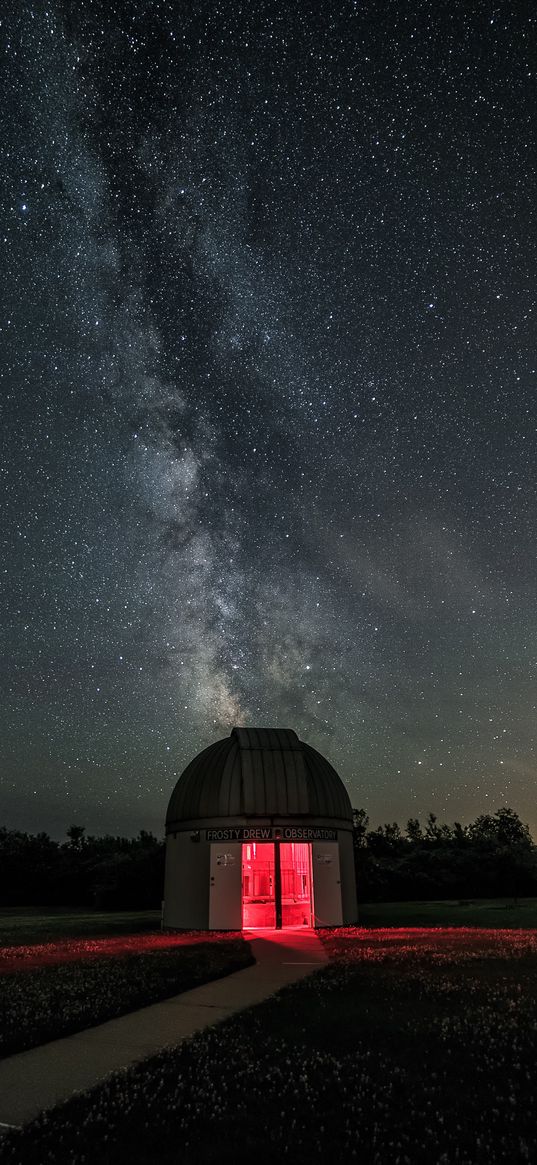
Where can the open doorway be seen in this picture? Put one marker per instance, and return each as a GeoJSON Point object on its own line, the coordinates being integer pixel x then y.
{"type": "Point", "coordinates": [296, 880]}
{"type": "Point", "coordinates": [258, 890]}
{"type": "Point", "coordinates": [276, 885]}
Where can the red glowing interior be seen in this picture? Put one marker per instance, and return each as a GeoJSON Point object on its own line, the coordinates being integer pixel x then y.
{"type": "Point", "coordinates": [296, 883]}
{"type": "Point", "coordinates": [258, 891]}
{"type": "Point", "coordinates": [259, 906]}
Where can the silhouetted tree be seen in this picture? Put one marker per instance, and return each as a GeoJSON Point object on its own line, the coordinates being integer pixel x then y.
{"type": "Point", "coordinates": [75, 833]}
{"type": "Point", "coordinates": [109, 872]}
{"type": "Point", "coordinates": [413, 830]}
{"type": "Point", "coordinates": [494, 856]}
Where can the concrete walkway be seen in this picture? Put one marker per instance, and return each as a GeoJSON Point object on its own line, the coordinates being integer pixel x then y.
{"type": "Point", "coordinates": [45, 1076]}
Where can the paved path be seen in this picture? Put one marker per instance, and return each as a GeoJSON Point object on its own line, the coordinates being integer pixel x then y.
{"type": "Point", "coordinates": [46, 1076]}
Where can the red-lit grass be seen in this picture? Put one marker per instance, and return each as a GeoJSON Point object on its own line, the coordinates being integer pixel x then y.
{"type": "Point", "coordinates": [359, 944]}
{"type": "Point", "coordinates": [45, 1001]}
{"type": "Point", "coordinates": [33, 955]}
{"type": "Point", "coordinates": [410, 1048]}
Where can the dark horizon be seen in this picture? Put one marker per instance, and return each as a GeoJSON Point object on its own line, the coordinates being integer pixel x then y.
{"type": "Point", "coordinates": [60, 835]}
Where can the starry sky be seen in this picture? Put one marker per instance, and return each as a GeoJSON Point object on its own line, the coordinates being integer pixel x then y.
{"type": "Point", "coordinates": [269, 422]}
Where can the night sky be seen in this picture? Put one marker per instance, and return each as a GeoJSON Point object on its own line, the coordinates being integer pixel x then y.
{"type": "Point", "coordinates": [269, 420]}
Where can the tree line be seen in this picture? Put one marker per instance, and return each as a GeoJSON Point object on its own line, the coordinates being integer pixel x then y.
{"type": "Point", "coordinates": [106, 873]}
{"type": "Point", "coordinates": [494, 856]}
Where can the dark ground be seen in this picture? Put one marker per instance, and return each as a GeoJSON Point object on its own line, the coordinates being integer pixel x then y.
{"type": "Point", "coordinates": [412, 1047]}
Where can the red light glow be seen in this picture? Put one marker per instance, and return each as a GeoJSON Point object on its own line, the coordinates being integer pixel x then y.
{"type": "Point", "coordinates": [296, 883]}
{"type": "Point", "coordinates": [258, 891]}
{"type": "Point", "coordinates": [20, 958]}
{"type": "Point", "coordinates": [436, 944]}
{"type": "Point", "coordinates": [260, 885]}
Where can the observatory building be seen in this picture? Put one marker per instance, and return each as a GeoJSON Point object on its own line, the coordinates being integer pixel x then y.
{"type": "Point", "coordinates": [259, 834]}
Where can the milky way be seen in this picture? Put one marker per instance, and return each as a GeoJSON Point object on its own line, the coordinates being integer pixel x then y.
{"type": "Point", "coordinates": [269, 415]}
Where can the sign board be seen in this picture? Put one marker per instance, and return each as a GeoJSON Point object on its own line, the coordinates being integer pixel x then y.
{"type": "Point", "coordinates": [271, 833]}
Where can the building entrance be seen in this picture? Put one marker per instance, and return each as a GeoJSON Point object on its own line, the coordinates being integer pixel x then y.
{"type": "Point", "coordinates": [276, 884]}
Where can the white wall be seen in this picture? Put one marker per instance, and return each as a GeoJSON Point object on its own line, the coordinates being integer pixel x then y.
{"type": "Point", "coordinates": [186, 883]}
{"type": "Point", "coordinates": [348, 878]}
{"type": "Point", "coordinates": [225, 900]}
{"type": "Point", "coordinates": [326, 883]}
{"type": "Point", "coordinates": [191, 904]}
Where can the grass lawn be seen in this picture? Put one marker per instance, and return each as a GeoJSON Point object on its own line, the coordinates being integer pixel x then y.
{"type": "Point", "coordinates": [410, 1048]}
{"type": "Point", "coordinates": [21, 925]}
{"type": "Point", "coordinates": [43, 924]}
{"type": "Point", "coordinates": [478, 912]}
{"type": "Point", "coordinates": [45, 1002]}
